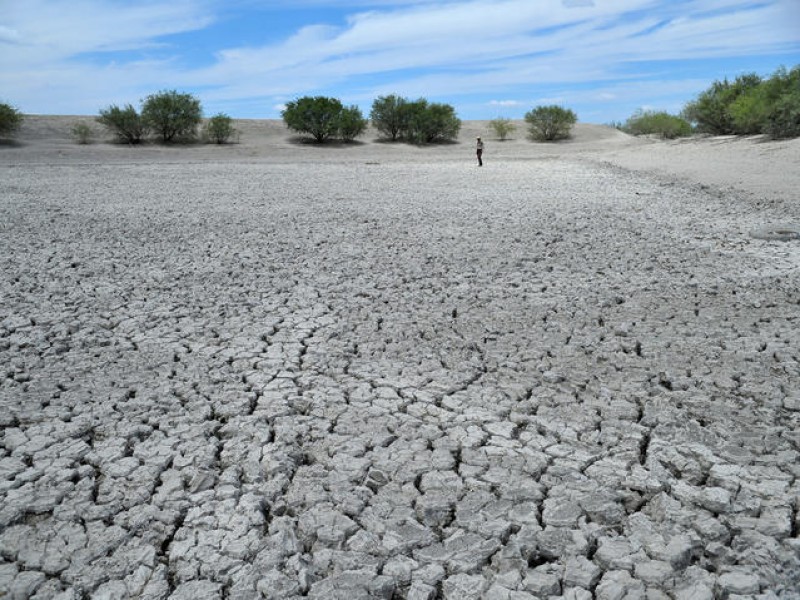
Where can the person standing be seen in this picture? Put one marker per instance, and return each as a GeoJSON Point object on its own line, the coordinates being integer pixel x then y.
{"type": "Point", "coordinates": [479, 150]}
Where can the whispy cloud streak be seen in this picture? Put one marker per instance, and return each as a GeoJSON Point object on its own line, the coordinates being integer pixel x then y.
{"type": "Point", "coordinates": [462, 47]}
{"type": "Point", "coordinates": [413, 47]}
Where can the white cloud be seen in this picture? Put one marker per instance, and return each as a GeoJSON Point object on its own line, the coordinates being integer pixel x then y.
{"type": "Point", "coordinates": [8, 35]}
{"type": "Point", "coordinates": [477, 47]}
{"type": "Point", "coordinates": [415, 47]}
{"type": "Point", "coordinates": [505, 103]}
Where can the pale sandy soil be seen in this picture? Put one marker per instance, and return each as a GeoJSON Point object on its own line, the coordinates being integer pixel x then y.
{"type": "Point", "coordinates": [279, 370]}
{"type": "Point", "coordinates": [753, 164]}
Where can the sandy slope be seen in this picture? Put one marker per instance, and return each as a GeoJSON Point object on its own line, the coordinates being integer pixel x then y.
{"type": "Point", "coordinates": [754, 164]}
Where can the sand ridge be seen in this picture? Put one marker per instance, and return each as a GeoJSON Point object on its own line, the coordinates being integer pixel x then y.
{"type": "Point", "coordinates": [279, 370]}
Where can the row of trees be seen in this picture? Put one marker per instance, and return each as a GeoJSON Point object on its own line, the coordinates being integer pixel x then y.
{"type": "Point", "coordinates": [169, 115]}
{"type": "Point", "coordinates": [747, 105]}
{"type": "Point", "coordinates": [416, 121]}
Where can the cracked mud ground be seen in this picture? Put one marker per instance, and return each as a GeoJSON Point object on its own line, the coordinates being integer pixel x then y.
{"type": "Point", "coordinates": [543, 379]}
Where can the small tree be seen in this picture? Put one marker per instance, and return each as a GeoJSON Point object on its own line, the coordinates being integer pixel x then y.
{"type": "Point", "coordinates": [82, 133]}
{"type": "Point", "coordinates": [548, 123]}
{"type": "Point", "coordinates": [389, 116]}
{"type": "Point", "coordinates": [426, 123]}
{"type": "Point", "coordinates": [219, 128]}
{"type": "Point", "coordinates": [351, 123]}
{"type": "Point", "coordinates": [502, 127]}
{"type": "Point", "coordinates": [318, 116]}
{"type": "Point", "coordinates": [125, 123]}
{"type": "Point", "coordinates": [171, 114]}
{"type": "Point", "coordinates": [10, 120]}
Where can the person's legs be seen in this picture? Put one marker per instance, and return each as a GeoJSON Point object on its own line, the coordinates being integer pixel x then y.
{"type": "Point", "coordinates": [480, 158]}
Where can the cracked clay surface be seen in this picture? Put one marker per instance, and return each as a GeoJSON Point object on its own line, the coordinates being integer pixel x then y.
{"type": "Point", "coordinates": [542, 379]}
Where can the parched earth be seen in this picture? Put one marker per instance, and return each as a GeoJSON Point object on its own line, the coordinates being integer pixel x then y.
{"type": "Point", "coordinates": [540, 379]}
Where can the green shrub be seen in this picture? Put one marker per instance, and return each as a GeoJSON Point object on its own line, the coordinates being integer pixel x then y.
{"type": "Point", "coordinates": [172, 115]}
{"type": "Point", "coordinates": [219, 129]}
{"type": "Point", "coordinates": [389, 116]}
{"type": "Point", "coordinates": [324, 118]}
{"type": "Point", "coordinates": [657, 123]}
{"type": "Point", "coordinates": [548, 123]}
{"type": "Point", "coordinates": [125, 123]}
{"type": "Point", "coordinates": [82, 133]}
{"type": "Point", "coordinates": [351, 123]}
{"type": "Point", "coordinates": [782, 95]}
{"type": "Point", "coordinates": [748, 112]}
{"type": "Point", "coordinates": [783, 120]}
{"type": "Point", "coordinates": [317, 116]}
{"type": "Point", "coordinates": [711, 111]}
{"type": "Point", "coordinates": [502, 127]}
{"type": "Point", "coordinates": [10, 120]}
{"type": "Point", "coordinates": [749, 105]}
{"type": "Point", "coordinates": [430, 122]}
{"type": "Point", "coordinates": [415, 121]}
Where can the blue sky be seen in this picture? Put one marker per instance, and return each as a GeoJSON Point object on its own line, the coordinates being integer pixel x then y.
{"type": "Point", "coordinates": [602, 58]}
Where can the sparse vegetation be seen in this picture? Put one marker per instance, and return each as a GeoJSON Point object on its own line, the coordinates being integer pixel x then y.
{"type": "Point", "coordinates": [125, 123]}
{"type": "Point", "coordinates": [657, 123]}
{"type": "Point", "coordinates": [219, 129]}
{"type": "Point", "coordinates": [549, 123]}
{"type": "Point", "coordinates": [172, 115]}
{"type": "Point", "coordinates": [82, 133]}
{"type": "Point", "coordinates": [750, 105]}
{"type": "Point", "coordinates": [502, 127]}
{"type": "Point", "coordinates": [10, 120]}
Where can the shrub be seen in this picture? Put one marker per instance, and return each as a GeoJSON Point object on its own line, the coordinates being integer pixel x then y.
{"type": "Point", "coordinates": [389, 116]}
{"type": "Point", "coordinates": [427, 123]}
{"type": "Point", "coordinates": [10, 120]}
{"type": "Point", "coordinates": [657, 123]}
{"type": "Point", "coordinates": [317, 116]}
{"type": "Point", "coordinates": [171, 114]}
{"type": "Point", "coordinates": [351, 123]}
{"type": "Point", "coordinates": [783, 120]}
{"type": "Point", "coordinates": [781, 93]}
{"type": "Point", "coordinates": [548, 123]}
{"type": "Point", "coordinates": [324, 118]}
{"type": "Point", "coordinates": [750, 105]}
{"type": "Point", "coordinates": [502, 127]}
{"type": "Point", "coordinates": [711, 111]}
{"type": "Point", "coordinates": [219, 128]}
{"type": "Point", "coordinates": [125, 123]}
{"type": "Point", "coordinates": [415, 121]}
{"type": "Point", "coordinates": [82, 133]}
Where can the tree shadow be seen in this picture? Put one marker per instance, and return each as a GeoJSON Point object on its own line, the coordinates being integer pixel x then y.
{"type": "Point", "coordinates": [405, 142]}
{"type": "Point", "coordinates": [302, 140]}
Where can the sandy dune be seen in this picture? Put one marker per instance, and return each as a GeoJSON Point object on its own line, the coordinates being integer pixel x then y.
{"type": "Point", "coordinates": [274, 369]}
